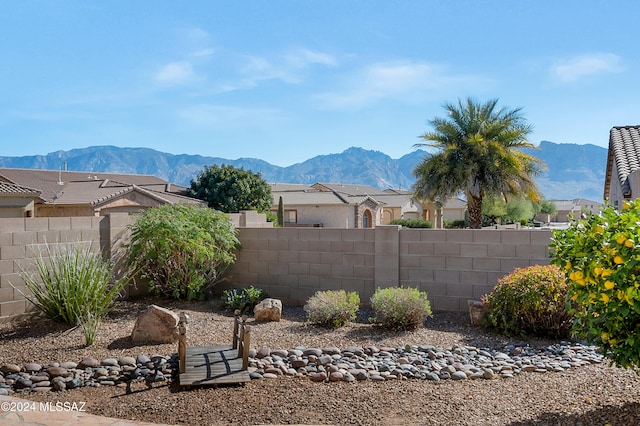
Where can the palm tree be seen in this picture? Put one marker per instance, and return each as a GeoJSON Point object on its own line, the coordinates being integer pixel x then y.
{"type": "Point", "coordinates": [478, 154]}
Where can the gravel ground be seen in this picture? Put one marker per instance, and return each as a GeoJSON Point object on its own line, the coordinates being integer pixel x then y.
{"type": "Point", "coordinates": [594, 395]}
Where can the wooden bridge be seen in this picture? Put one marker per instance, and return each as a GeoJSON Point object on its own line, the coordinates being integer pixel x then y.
{"type": "Point", "coordinates": [215, 365]}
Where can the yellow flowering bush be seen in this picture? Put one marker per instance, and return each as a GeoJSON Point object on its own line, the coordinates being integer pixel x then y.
{"type": "Point", "coordinates": [601, 260]}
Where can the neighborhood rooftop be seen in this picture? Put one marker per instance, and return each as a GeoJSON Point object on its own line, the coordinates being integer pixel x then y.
{"type": "Point", "coordinates": [623, 158]}
{"type": "Point", "coordinates": [71, 187]}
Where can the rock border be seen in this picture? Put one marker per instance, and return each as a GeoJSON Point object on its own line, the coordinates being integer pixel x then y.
{"type": "Point", "coordinates": [423, 362]}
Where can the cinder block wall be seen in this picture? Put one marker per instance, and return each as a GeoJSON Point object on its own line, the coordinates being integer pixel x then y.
{"type": "Point", "coordinates": [293, 263]}
{"type": "Point", "coordinates": [21, 239]}
{"type": "Point", "coordinates": [452, 266]}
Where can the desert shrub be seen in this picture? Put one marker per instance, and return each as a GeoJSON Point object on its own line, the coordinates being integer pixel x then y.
{"type": "Point", "coordinates": [601, 260]}
{"type": "Point", "coordinates": [244, 299]}
{"type": "Point", "coordinates": [73, 285]}
{"type": "Point", "coordinates": [182, 250]}
{"type": "Point", "coordinates": [454, 224]}
{"type": "Point", "coordinates": [273, 218]}
{"type": "Point", "coordinates": [412, 223]}
{"type": "Point", "coordinates": [400, 308]}
{"type": "Point", "coordinates": [529, 302]}
{"type": "Point", "coordinates": [332, 308]}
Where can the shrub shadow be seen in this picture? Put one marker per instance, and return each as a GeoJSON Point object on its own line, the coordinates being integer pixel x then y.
{"type": "Point", "coordinates": [35, 327]}
{"type": "Point", "coordinates": [627, 414]}
{"type": "Point", "coordinates": [135, 306]}
{"type": "Point", "coordinates": [375, 333]}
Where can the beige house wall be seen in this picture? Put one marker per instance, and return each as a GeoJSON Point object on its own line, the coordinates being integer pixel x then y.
{"type": "Point", "coordinates": [390, 213]}
{"type": "Point", "coordinates": [453, 214]}
{"type": "Point", "coordinates": [327, 216]}
{"type": "Point", "coordinates": [452, 266]}
{"type": "Point", "coordinates": [16, 207]}
{"type": "Point", "coordinates": [615, 196]}
{"type": "Point", "coordinates": [634, 184]}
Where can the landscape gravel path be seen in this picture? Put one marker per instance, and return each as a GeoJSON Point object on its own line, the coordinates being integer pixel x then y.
{"type": "Point", "coordinates": [585, 395]}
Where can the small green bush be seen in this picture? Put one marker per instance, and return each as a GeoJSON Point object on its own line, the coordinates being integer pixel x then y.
{"type": "Point", "coordinates": [454, 224]}
{"type": "Point", "coordinates": [244, 299]}
{"type": "Point", "coordinates": [530, 302]}
{"type": "Point", "coordinates": [412, 223]}
{"type": "Point", "coordinates": [332, 308]}
{"type": "Point", "coordinates": [400, 308]}
{"type": "Point", "coordinates": [73, 285]}
{"type": "Point", "coordinates": [183, 250]}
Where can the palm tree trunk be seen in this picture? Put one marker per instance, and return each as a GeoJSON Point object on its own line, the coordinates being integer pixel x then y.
{"type": "Point", "coordinates": [474, 207]}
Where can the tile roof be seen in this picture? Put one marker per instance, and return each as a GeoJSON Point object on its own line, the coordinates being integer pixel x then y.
{"type": "Point", "coordinates": [12, 190]}
{"type": "Point", "coordinates": [279, 187]}
{"type": "Point", "coordinates": [356, 189]}
{"type": "Point", "coordinates": [67, 187]}
{"type": "Point", "coordinates": [624, 150]}
{"type": "Point", "coordinates": [293, 194]}
{"type": "Point", "coordinates": [455, 203]}
{"type": "Point", "coordinates": [297, 194]}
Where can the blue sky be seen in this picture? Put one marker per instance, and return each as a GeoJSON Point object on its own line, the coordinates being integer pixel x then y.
{"type": "Point", "coordinates": [288, 80]}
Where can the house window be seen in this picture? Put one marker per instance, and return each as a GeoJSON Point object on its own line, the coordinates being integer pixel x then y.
{"type": "Point", "coordinates": [366, 219]}
{"type": "Point", "coordinates": [290, 216]}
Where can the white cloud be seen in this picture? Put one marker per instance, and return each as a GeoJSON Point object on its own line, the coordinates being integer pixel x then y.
{"type": "Point", "coordinates": [287, 67]}
{"type": "Point", "coordinates": [302, 58]}
{"type": "Point", "coordinates": [196, 35]}
{"type": "Point", "coordinates": [202, 53]}
{"type": "Point", "coordinates": [175, 73]}
{"type": "Point", "coordinates": [577, 67]}
{"type": "Point", "coordinates": [404, 81]}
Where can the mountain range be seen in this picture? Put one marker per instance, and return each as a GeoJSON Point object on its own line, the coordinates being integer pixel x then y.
{"type": "Point", "coordinates": [573, 171]}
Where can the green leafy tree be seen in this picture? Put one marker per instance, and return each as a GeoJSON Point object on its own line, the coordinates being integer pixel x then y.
{"type": "Point", "coordinates": [515, 210]}
{"type": "Point", "coordinates": [493, 208]}
{"type": "Point", "coordinates": [478, 153]}
{"type": "Point", "coordinates": [520, 210]}
{"type": "Point", "coordinates": [229, 189]}
{"type": "Point", "coordinates": [182, 249]}
{"type": "Point", "coordinates": [547, 207]}
{"type": "Point", "coordinates": [601, 261]}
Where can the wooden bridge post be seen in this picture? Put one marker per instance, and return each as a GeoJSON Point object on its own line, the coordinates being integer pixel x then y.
{"type": "Point", "coordinates": [236, 317]}
{"type": "Point", "coordinates": [182, 341]}
{"type": "Point", "coordinates": [245, 348]}
{"type": "Point", "coordinates": [240, 336]}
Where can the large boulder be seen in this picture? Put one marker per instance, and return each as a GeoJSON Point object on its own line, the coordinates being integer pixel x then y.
{"type": "Point", "coordinates": [268, 310]}
{"type": "Point", "coordinates": [156, 325]}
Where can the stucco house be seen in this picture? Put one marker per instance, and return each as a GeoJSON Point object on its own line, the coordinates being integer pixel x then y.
{"type": "Point", "coordinates": [622, 179]}
{"type": "Point", "coordinates": [309, 206]}
{"type": "Point", "coordinates": [566, 210]}
{"type": "Point", "coordinates": [454, 209]}
{"type": "Point", "coordinates": [396, 204]}
{"type": "Point", "coordinates": [354, 205]}
{"type": "Point", "coordinates": [17, 201]}
{"type": "Point", "coordinates": [58, 193]}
